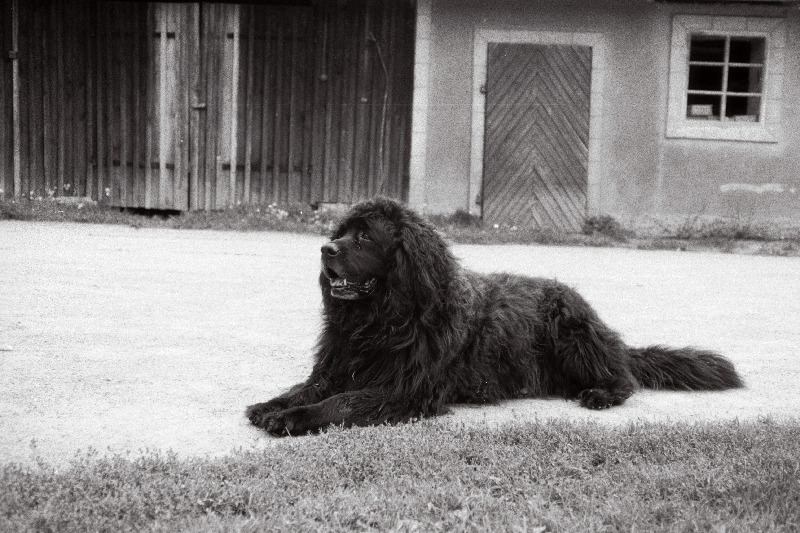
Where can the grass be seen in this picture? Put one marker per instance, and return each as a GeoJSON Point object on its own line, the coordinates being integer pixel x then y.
{"type": "Point", "coordinates": [550, 476]}
{"type": "Point", "coordinates": [694, 232]}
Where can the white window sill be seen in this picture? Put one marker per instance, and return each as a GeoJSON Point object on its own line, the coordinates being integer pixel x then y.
{"type": "Point", "coordinates": [722, 131]}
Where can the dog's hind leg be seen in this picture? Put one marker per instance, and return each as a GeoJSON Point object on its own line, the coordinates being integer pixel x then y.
{"type": "Point", "coordinates": [590, 357]}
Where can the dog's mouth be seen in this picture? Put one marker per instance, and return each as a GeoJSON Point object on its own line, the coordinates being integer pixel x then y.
{"type": "Point", "coordinates": [345, 289]}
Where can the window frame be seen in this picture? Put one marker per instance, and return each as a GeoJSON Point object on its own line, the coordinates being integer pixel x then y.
{"type": "Point", "coordinates": [767, 128]}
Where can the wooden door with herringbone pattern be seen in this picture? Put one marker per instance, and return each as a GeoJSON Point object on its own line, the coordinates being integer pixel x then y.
{"type": "Point", "coordinates": [536, 150]}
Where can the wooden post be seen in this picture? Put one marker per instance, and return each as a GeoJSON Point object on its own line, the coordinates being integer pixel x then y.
{"type": "Point", "coordinates": [61, 99]}
{"type": "Point", "coordinates": [248, 131]}
{"type": "Point", "coordinates": [210, 43]}
{"type": "Point", "coordinates": [101, 169]}
{"type": "Point", "coordinates": [197, 104]}
{"type": "Point", "coordinates": [152, 122]}
{"type": "Point", "coordinates": [277, 132]}
{"type": "Point", "coordinates": [15, 98]}
{"type": "Point", "coordinates": [292, 185]}
{"type": "Point", "coordinates": [319, 107]}
{"type": "Point", "coordinates": [89, 140]}
{"type": "Point", "coordinates": [266, 186]}
{"type": "Point", "coordinates": [161, 118]}
{"type": "Point", "coordinates": [235, 30]}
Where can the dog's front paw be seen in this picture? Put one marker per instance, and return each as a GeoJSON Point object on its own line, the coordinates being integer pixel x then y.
{"type": "Point", "coordinates": [259, 414]}
{"type": "Point", "coordinates": [282, 423]}
{"type": "Point", "coordinates": [595, 399]}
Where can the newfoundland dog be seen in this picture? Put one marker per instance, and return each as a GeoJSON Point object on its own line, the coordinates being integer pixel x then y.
{"type": "Point", "coordinates": [407, 331]}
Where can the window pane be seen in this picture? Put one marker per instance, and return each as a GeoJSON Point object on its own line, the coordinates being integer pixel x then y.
{"type": "Point", "coordinates": [743, 108]}
{"type": "Point", "coordinates": [707, 48]}
{"type": "Point", "coordinates": [705, 78]}
{"type": "Point", "coordinates": [703, 106]}
{"type": "Point", "coordinates": [744, 79]}
{"type": "Point", "coordinates": [747, 50]}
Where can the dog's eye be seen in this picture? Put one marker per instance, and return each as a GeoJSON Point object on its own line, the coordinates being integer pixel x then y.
{"type": "Point", "coordinates": [364, 236]}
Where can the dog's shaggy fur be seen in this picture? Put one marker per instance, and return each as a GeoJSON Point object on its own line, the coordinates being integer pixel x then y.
{"type": "Point", "coordinates": [407, 331]}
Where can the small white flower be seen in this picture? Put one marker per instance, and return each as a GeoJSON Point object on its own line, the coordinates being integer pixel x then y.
{"type": "Point", "coordinates": [108, 191]}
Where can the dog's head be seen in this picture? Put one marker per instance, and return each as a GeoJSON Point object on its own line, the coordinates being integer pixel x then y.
{"type": "Point", "coordinates": [358, 255]}
{"type": "Point", "coordinates": [382, 247]}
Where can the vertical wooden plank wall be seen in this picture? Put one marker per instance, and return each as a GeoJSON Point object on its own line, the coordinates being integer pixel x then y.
{"type": "Point", "coordinates": [6, 110]}
{"type": "Point", "coordinates": [208, 106]}
{"type": "Point", "coordinates": [307, 104]}
{"type": "Point", "coordinates": [196, 104]}
{"type": "Point", "coordinates": [170, 107]}
{"type": "Point", "coordinates": [210, 61]}
{"type": "Point", "coordinates": [55, 98]}
{"type": "Point", "coordinates": [367, 71]}
{"type": "Point", "coordinates": [142, 104]}
{"type": "Point", "coordinates": [104, 102]}
{"type": "Point", "coordinates": [121, 102]}
{"type": "Point", "coordinates": [257, 79]}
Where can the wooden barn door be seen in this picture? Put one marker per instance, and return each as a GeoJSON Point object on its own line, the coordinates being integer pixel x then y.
{"type": "Point", "coordinates": [537, 135]}
{"type": "Point", "coordinates": [143, 134]}
{"type": "Point", "coordinates": [254, 98]}
{"type": "Point", "coordinates": [205, 106]}
{"type": "Point", "coordinates": [213, 105]}
{"type": "Point", "coordinates": [144, 53]}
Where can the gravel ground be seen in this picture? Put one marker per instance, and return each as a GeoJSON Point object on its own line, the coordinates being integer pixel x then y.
{"type": "Point", "coordinates": [126, 340]}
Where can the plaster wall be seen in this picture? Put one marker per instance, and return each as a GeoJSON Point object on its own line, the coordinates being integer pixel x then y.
{"type": "Point", "coordinates": [638, 169]}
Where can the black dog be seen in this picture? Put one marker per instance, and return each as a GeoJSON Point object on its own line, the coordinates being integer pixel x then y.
{"type": "Point", "coordinates": [407, 331]}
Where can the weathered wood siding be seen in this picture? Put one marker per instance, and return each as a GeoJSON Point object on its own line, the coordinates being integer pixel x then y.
{"type": "Point", "coordinates": [206, 106]}
{"type": "Point", "coordinates": [56, 93]}
{"type": "Point", "coordinates": [6, 112]}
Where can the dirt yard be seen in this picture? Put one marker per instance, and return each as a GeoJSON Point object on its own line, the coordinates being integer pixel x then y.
{"type": "Point", "coordinates": [125, 340]}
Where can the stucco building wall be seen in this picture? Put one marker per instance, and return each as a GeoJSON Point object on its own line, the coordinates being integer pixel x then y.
{"type": "Point", "coordinates": [637, 168]}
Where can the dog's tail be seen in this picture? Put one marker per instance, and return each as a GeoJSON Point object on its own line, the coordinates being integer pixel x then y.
{"type": "Point", "coordinates": [659, 367]}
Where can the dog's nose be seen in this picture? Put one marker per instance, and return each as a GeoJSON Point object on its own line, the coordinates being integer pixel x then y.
{"type": "Point", "coordinates": [330, 249]}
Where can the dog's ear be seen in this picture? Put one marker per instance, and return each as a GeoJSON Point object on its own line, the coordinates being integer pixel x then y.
{"type": "Point", "coordinates": [423, 265]}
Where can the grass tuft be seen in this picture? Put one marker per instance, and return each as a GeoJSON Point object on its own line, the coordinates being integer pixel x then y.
{"type": "Point", "coordinates": [733, 229]}
{"type": "Point", "coordinates": [554, 476]}
{"type": "Point", "coordinates": [689, 233]}
{"type": "Point", "coordinates": [606, 225]}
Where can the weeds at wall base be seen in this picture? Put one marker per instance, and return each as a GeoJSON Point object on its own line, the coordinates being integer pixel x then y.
{"type": "Point", "coordinates": [688, 233]}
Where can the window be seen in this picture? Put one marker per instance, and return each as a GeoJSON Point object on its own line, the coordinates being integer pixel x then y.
{"type": "Point", "coordinates": [725, 78]}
